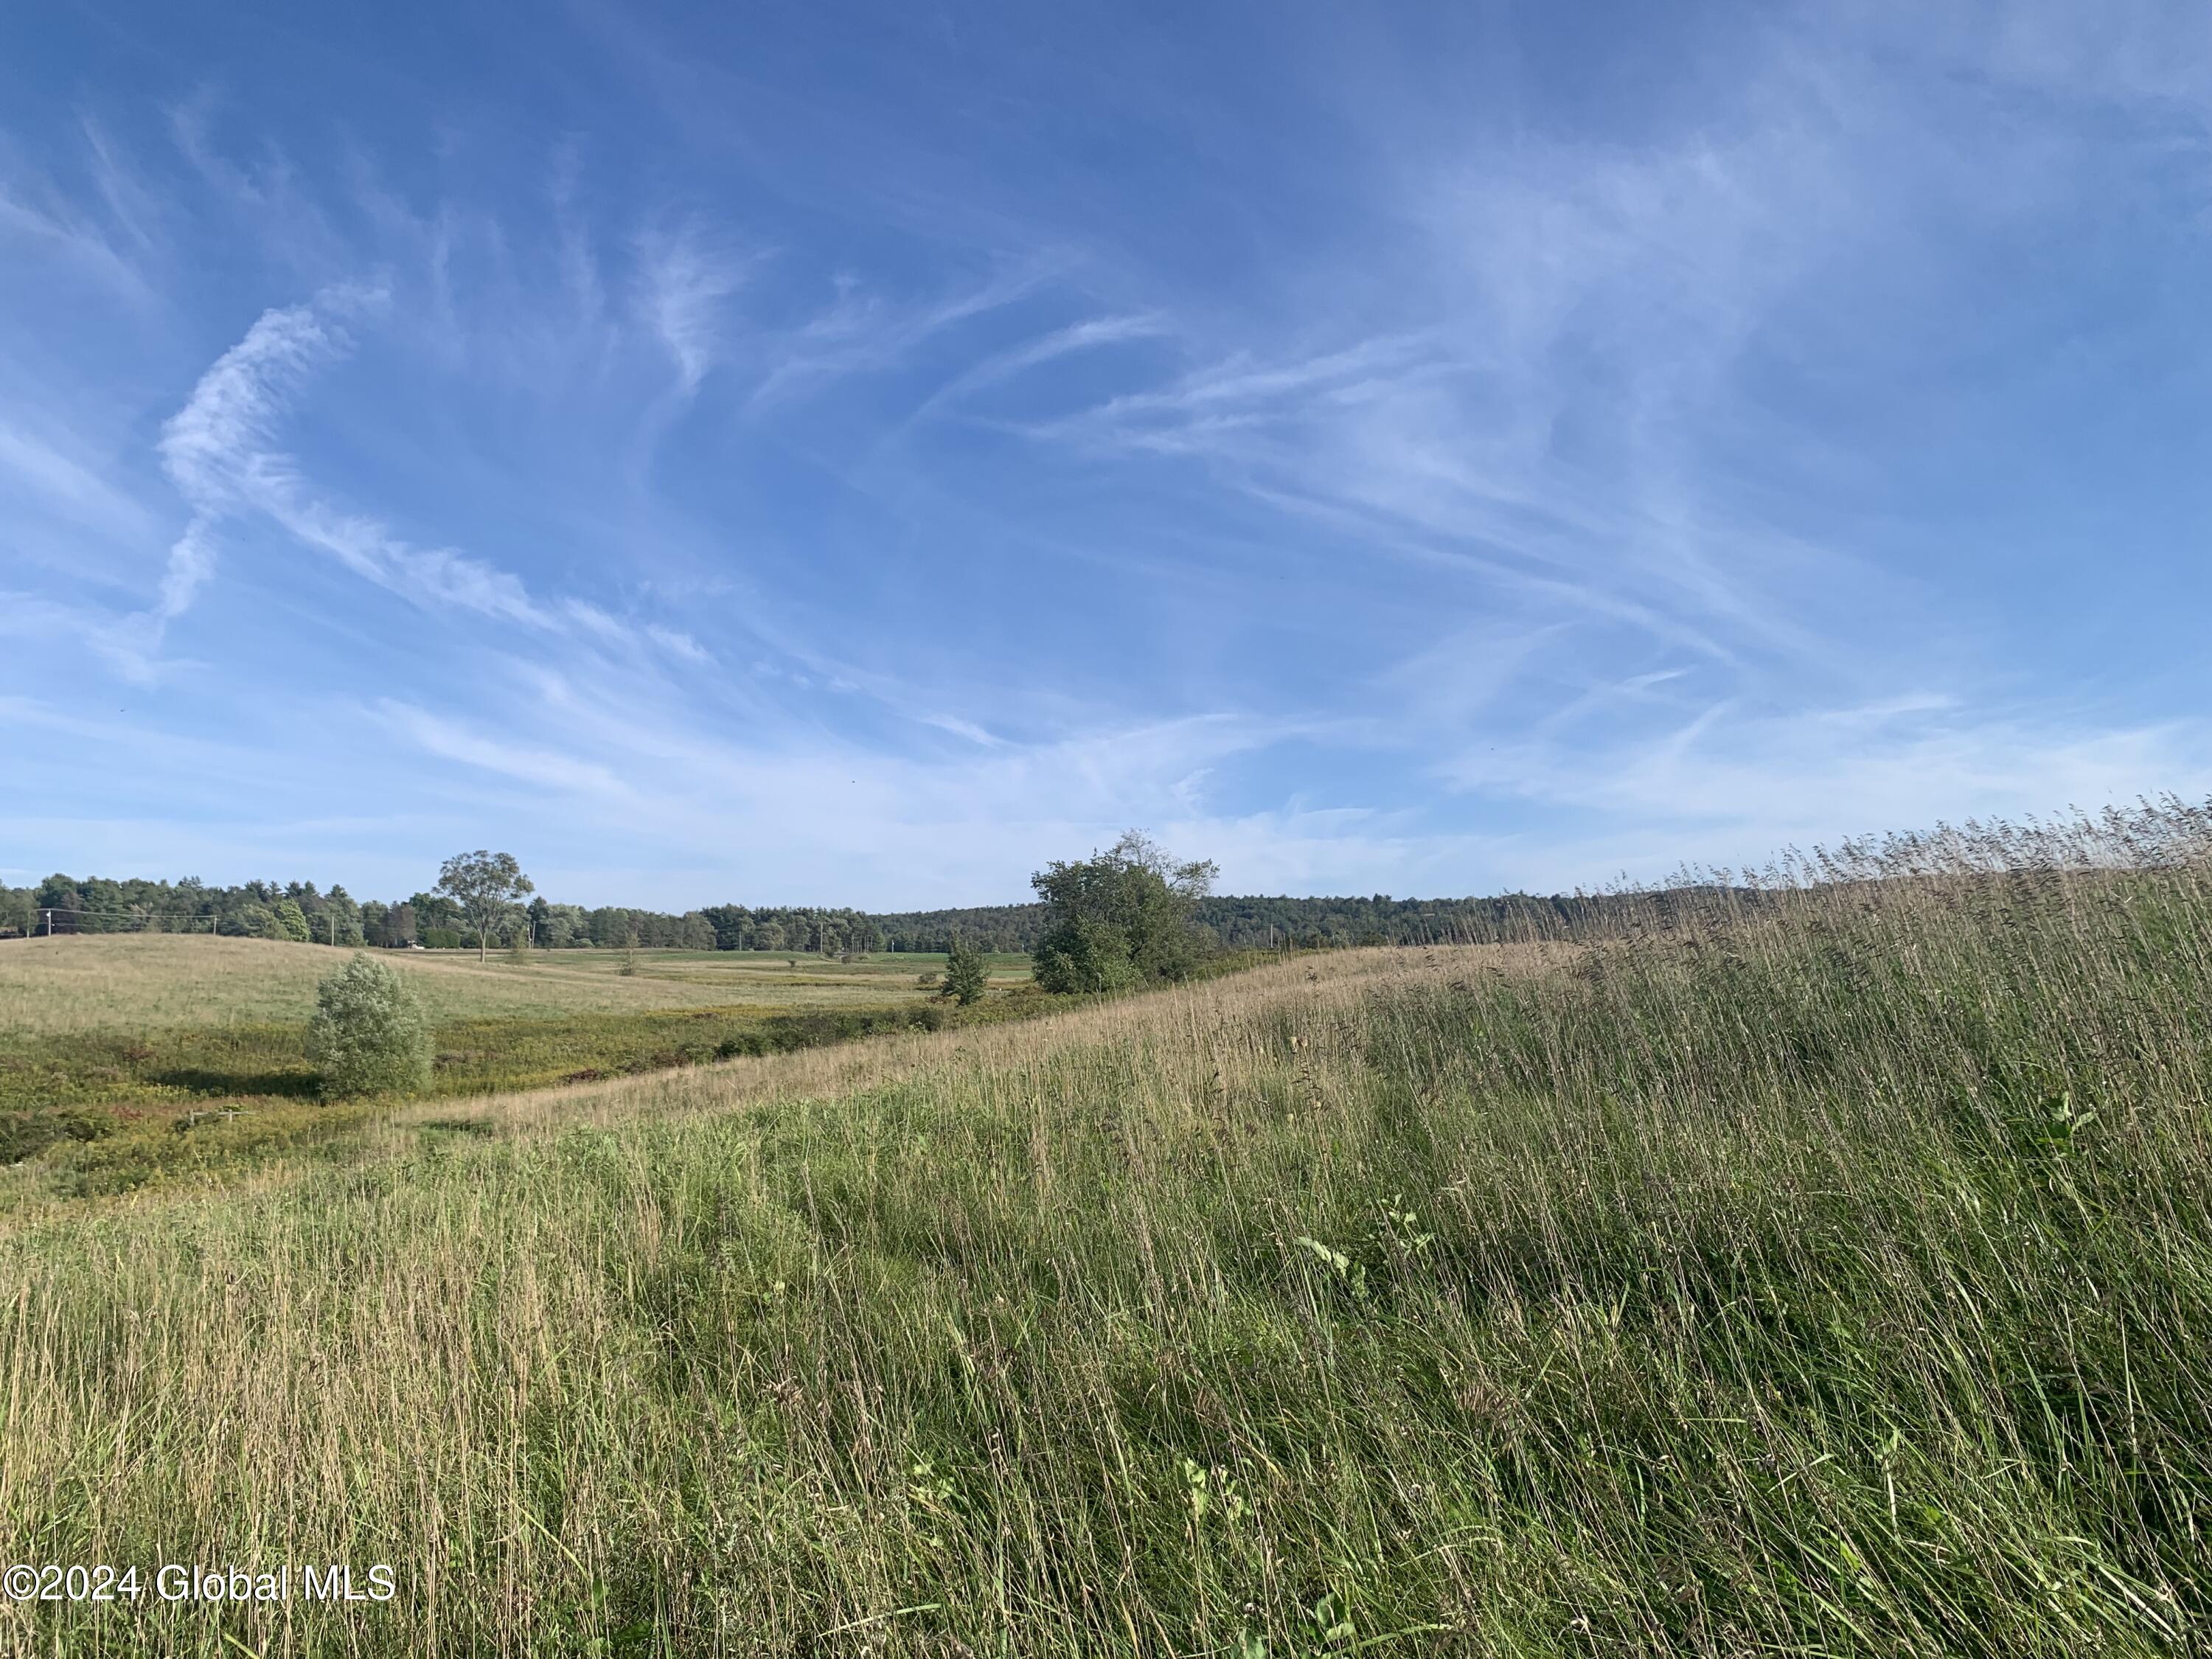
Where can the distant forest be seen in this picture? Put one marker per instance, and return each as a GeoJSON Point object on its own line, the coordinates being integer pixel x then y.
{"type": "Point", "coordinates": [1240, 924]}
{"type": "Point", "coordinates": [300, 910]}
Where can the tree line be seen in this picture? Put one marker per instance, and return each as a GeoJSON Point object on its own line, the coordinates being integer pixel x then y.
{"type": "Point", "coordinates": [300, 910]}
{"type": "Point", "coordinates": [1265, 922]}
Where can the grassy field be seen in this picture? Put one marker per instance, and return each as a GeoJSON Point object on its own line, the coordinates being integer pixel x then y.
{"type": "Point", "coordinates": [1835, 1281]}
{"type": "Point", "coordinates": [136, 983]}
{"type": "Point", "coordinates": [114, 1038]}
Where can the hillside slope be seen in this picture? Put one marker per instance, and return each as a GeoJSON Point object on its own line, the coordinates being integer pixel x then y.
{"type": "Point", "coordinates": [1833, 1282]}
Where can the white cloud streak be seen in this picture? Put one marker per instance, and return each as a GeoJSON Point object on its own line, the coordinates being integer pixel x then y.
{"type": "Point", "coordinates": [450, 740]}
{"type": "Point", "coordinates": [221, 451]}
{"type": "Point", "coordinates": [863, 333]}
{"type": "Point", "coordinates": [685, 276]}
{"type": "Point", "coordinates": [1526, 392]}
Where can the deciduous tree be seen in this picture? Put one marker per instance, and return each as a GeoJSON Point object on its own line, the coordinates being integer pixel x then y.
{"type": "Point", "coordinates": [1121, 917]}
{"type": "Point", "coordinates": [486, 887]}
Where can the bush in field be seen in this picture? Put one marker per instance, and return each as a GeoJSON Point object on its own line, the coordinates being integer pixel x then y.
{"type": "Point", "coordinates": [965, 974]}
{"type": "Point", "coordinates": [23, 1134]}
{"type": "Point", "coordinates": [368, 1034]}
{"type": "Point", "coordinates": [1120, 918]}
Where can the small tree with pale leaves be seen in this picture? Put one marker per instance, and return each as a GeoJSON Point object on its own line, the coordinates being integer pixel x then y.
{"type": "Point", "coordinates": [368, 1034]}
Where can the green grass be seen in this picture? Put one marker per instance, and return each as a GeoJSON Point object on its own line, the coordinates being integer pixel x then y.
{"type": "Point", "coordinates": [113, 1029]}
{"type": "Point", "coordinates": [1834, 1281]}
{"type": "Point", "coordinates": [132, 985]}
{"type": "Point", "coordinates": [112, 1114]}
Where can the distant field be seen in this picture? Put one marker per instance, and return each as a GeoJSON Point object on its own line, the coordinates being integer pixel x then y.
{"type": "Point", "coordinates": [120, 1026]}
{"type": "Point", "coordinates": [140, 982]}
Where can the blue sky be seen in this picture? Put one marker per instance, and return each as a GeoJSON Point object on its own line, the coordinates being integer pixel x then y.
{"type": "Point", "coordinates": [854, 453]}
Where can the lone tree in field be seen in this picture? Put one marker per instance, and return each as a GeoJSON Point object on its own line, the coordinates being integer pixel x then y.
{"type": "Point", "coordinates": [486, 885]}
{"type": "Point", "coordinates": [368, 1036]}
{"type": "Point", "coordinates": [965, 974]}
{"type": "Point", "coordinates": [1121, 917]}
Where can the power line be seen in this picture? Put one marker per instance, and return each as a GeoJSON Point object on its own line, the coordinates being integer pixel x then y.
{"type": "Point", "coordinates": [142, 920]}
{"type": "Point", "coordinates": [193, 914]}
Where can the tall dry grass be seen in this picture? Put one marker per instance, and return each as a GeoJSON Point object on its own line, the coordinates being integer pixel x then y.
{"type": "Point", "coordinates": [1826, 1272]}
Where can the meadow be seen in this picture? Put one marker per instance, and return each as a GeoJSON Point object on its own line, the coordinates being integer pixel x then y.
{"type": "Point", "coordinates": [1830, 1277]}
{"type": "Point", "coordinates": [109, 1042]}
{"type": "Point", "coordinates": [79, 984]}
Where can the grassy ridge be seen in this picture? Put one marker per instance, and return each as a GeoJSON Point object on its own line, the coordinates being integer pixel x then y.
{"type": "Point", "coordinates": [1830, 1280]}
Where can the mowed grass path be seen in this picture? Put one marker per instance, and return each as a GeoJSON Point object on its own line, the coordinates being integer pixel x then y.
{"type": "Point", "coordinates": [1833, 1282]}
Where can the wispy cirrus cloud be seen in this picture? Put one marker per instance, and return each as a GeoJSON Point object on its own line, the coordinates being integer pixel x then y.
{"type": "Point", "coordinates": [685, 276]}
{"type": "Point", "coordinates": [452, 740]}
{"type": "Point", "coordinates": [37, 217]}
{"type": "Point", "coordinates": [215, 451]}
{"type": "Point", "coordinates": [1091, 334]}
{"type": "Point", "coordinates": [1371, 482]}
{"type": "Point", "coordinates": [222, 451]}
{"type": "Point", "coordinates": [1741, 788]}
{"type": "Point", "coordinates": [862, 332]}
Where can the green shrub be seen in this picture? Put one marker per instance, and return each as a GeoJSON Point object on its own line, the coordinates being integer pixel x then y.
{"type": "Point", "coordinates": [25, 1134]}
{"type": "Point", "coordinates": [965, 976]}
{"type": "Point", "coordinates": [368, 1034]}
{"type": "Point", "coordinates": [1120, 918]}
